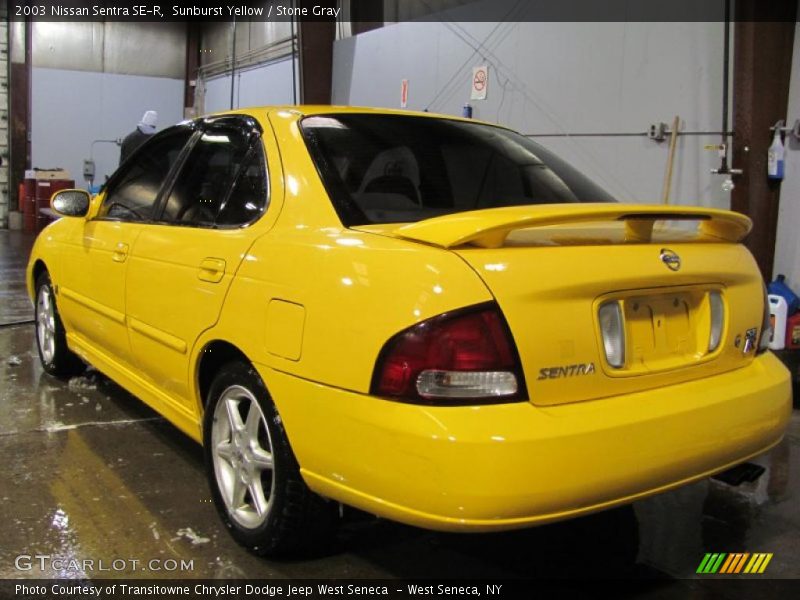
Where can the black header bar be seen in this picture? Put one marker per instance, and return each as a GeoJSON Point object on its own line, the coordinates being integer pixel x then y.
{"type": "Point", "coordinates": [414, 10]}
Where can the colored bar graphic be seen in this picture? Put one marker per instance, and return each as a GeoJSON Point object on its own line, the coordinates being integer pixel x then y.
{"type": "Point", "coordinates": [765, 563]}
{"type": "Point", "coordinates": [703, 564]}
{"type": "Point", "coordinates": [740, 563]}
{"type": "Point", "coordinates": [733, 563]}
{"type": "Point", "coordinates": [730, 563]}
{"type": "Point", "coordinates": [718, 563]}
{"type": "Point", "coordinates": [726, 566]}
{"type": "Point", "coordinates": [754, 563]}
{"type": "Point", "coordinates": [707, 566]}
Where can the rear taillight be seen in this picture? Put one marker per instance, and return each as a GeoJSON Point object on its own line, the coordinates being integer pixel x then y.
{"type": "Point", "coordinates": [766, 326]}
{"type": "Point", "coordinates": [461, 357]}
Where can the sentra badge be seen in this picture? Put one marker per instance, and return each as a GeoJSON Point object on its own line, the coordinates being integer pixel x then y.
{"type": "Point", "coordinates": [566, 371]}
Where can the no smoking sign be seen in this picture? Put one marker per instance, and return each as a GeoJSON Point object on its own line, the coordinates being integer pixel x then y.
{"type": "Point", "coordinates": [480, 81]}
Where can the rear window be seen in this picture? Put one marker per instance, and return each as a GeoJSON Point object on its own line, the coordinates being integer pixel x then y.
{"type": "Point", "coordinates": [398, 168]}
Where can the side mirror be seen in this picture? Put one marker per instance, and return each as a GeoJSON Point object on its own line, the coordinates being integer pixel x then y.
{"type": "Point", "coordinates": [70, 203]}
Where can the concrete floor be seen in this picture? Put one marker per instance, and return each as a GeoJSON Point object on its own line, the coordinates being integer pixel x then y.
{"type": "Point", "coordinates": [89, 472]}
{"type": "Point", "coordinates": [15, 307]}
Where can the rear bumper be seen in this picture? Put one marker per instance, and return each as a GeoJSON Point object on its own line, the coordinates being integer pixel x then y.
{"type": "Point", "coordinates": [515, 465]}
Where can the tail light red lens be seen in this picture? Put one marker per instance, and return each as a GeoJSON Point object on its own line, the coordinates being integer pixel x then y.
{"type": "Point", "coordinates": [459, 357]}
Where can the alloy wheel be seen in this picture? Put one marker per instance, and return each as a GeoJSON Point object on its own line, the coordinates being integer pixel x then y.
{"type": "Point", "coordinates": [46, 323]}
{"type": "Point", "coordinates": [242, 453]}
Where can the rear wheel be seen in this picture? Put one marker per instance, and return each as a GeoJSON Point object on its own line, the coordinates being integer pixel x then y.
{"type": "Point", "coordinates": [51, 340]}
{"type": "Point", "coordinates": [254, 477]}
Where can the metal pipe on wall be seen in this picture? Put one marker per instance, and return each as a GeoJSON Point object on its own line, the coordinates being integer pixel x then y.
{"type": "Point", "coordinates": [274, 51]}
{"type": "Point", "coordinates": [723, 167]}
{"type": "Point", "coordinates": [725, 134]}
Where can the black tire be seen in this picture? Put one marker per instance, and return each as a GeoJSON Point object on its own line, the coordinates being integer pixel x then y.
{"type": "Point", "coordinates": [294, 520]}
{"type": "Point", "coordinates": [51, 340]}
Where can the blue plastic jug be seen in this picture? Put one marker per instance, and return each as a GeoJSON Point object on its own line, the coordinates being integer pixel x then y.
{"type": "Point", "coordinates": [779, 288]}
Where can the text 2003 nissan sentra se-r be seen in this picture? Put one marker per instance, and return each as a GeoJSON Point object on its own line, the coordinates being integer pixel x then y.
{"type": "Point", "coordinates": [431, 319]}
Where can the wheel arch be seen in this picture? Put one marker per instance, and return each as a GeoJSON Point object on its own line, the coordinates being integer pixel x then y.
{"type": "Point", "coordinates": [214, 355]}
{"type": "Point", "coordinates": [38, 268]}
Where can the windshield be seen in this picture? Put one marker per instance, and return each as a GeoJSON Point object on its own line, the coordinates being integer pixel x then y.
{"type": "Point", "coordinates": [401, 169]}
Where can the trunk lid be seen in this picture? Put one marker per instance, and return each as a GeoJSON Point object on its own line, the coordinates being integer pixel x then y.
{"type": "Point", "coordinates": [551, 268]}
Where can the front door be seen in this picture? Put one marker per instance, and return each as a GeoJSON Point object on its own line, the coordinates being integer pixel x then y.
{"type": "Point", "coordinates": [97, 255]}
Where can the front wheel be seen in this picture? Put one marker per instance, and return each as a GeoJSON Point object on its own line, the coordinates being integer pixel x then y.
{"type": "Point", "coordinates": [254, 477]}
{"type": "Point", "coordinates": [51, 340]}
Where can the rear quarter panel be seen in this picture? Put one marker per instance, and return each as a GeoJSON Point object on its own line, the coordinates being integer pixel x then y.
{"type": "Point", "coordinates": [343, 295]}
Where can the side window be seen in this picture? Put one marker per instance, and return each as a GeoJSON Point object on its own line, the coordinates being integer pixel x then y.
{"type": "Point", "coordinates": [249, 196]}
{"type": "Point", "coordinates": [132, 197]}
{"type": "Point", "coordinates": [221, 183]}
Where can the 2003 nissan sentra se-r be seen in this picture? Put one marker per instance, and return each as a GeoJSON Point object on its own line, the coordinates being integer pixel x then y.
{"type": "Point", "coordinates": [431, 319]}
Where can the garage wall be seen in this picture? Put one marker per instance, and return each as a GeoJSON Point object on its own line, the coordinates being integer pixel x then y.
{"type": "Point", "coordinates": [562, 78]}
{"type": "Point", "coordinates": [125, 48]}
{"type": "Point", "coordinates": [71, 109]}
{"type": "Point", "coordinates": [266, 84]}
{"type": "Point", "coordinates": [5, 142]}
{"type": "Point", "coordinates": [787, 247]}
{"type": "Point", "coordinates": [94, 81]}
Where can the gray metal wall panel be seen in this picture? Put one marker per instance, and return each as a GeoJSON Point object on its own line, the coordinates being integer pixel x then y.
{"type": "Point", "coordinates": [215, 42]}
{"type": "Point", "coordinates": [76, 45]}
{"type": "Point", "coordinates": [263, 33]}
{"type": "Point", "coordinates": [111, 47]}
{"type": "Point", "coordinates": [242, 37]}
{"type": "Point", "coordinates": [250, 35]}
{"type": "Point", "coordinates": [142, 49]}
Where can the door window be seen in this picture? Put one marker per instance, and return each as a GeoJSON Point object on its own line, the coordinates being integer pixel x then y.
{"type": "Point", "coordinates": [222, 181]}
{"type": "Point", "coordinates": [249, 196]}
{"type": "Point", "coordinates": [132, 194]}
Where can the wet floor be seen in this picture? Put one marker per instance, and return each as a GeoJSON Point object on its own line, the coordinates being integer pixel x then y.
{"type": "Point", "coordinates": [15, 246]}
{"type": "Point", "coordinates": [90, 473]}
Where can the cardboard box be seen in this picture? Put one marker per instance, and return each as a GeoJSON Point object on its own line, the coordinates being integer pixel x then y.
{"type": "Point", "coordinates": [47, 174]}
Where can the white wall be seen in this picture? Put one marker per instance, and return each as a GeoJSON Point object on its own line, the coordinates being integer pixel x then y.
{"type": "Point", "coordinates": [562, 78]}
{"type": "Point", "coordinates": [260, 86]}
{"type": "Point", "coordinates": [787, 247]}
{"type": "Point", "coordinates": [70, 109]}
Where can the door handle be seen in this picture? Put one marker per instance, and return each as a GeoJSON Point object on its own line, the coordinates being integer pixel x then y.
{"type": "Point", "coordinates": [120, 252]}
{"type": "Point", "coordinates": [211, 270]}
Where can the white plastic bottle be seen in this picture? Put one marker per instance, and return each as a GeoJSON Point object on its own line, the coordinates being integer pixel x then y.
{"type": "Point", "coordinates": [778, 309]}
{"type": "Point", "coordinates": [775, 157]}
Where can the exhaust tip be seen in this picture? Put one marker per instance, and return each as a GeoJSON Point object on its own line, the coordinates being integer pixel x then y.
{"type": "Point", "coordinates": [743, 473]}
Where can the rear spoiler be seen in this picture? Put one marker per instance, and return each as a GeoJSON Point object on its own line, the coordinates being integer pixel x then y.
{"type": "Point", "coordinates": [488, 228]}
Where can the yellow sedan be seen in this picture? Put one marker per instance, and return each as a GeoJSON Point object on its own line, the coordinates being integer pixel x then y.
{"type": "Point", "coordinates": [431, 319]}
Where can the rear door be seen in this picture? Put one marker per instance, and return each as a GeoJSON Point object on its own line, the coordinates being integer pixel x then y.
{"type": "Point", "coordinates": [181, 267]}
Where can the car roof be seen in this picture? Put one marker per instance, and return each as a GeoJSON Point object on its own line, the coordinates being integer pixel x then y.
{"type": "Point", "coordinates": [305, 110]}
